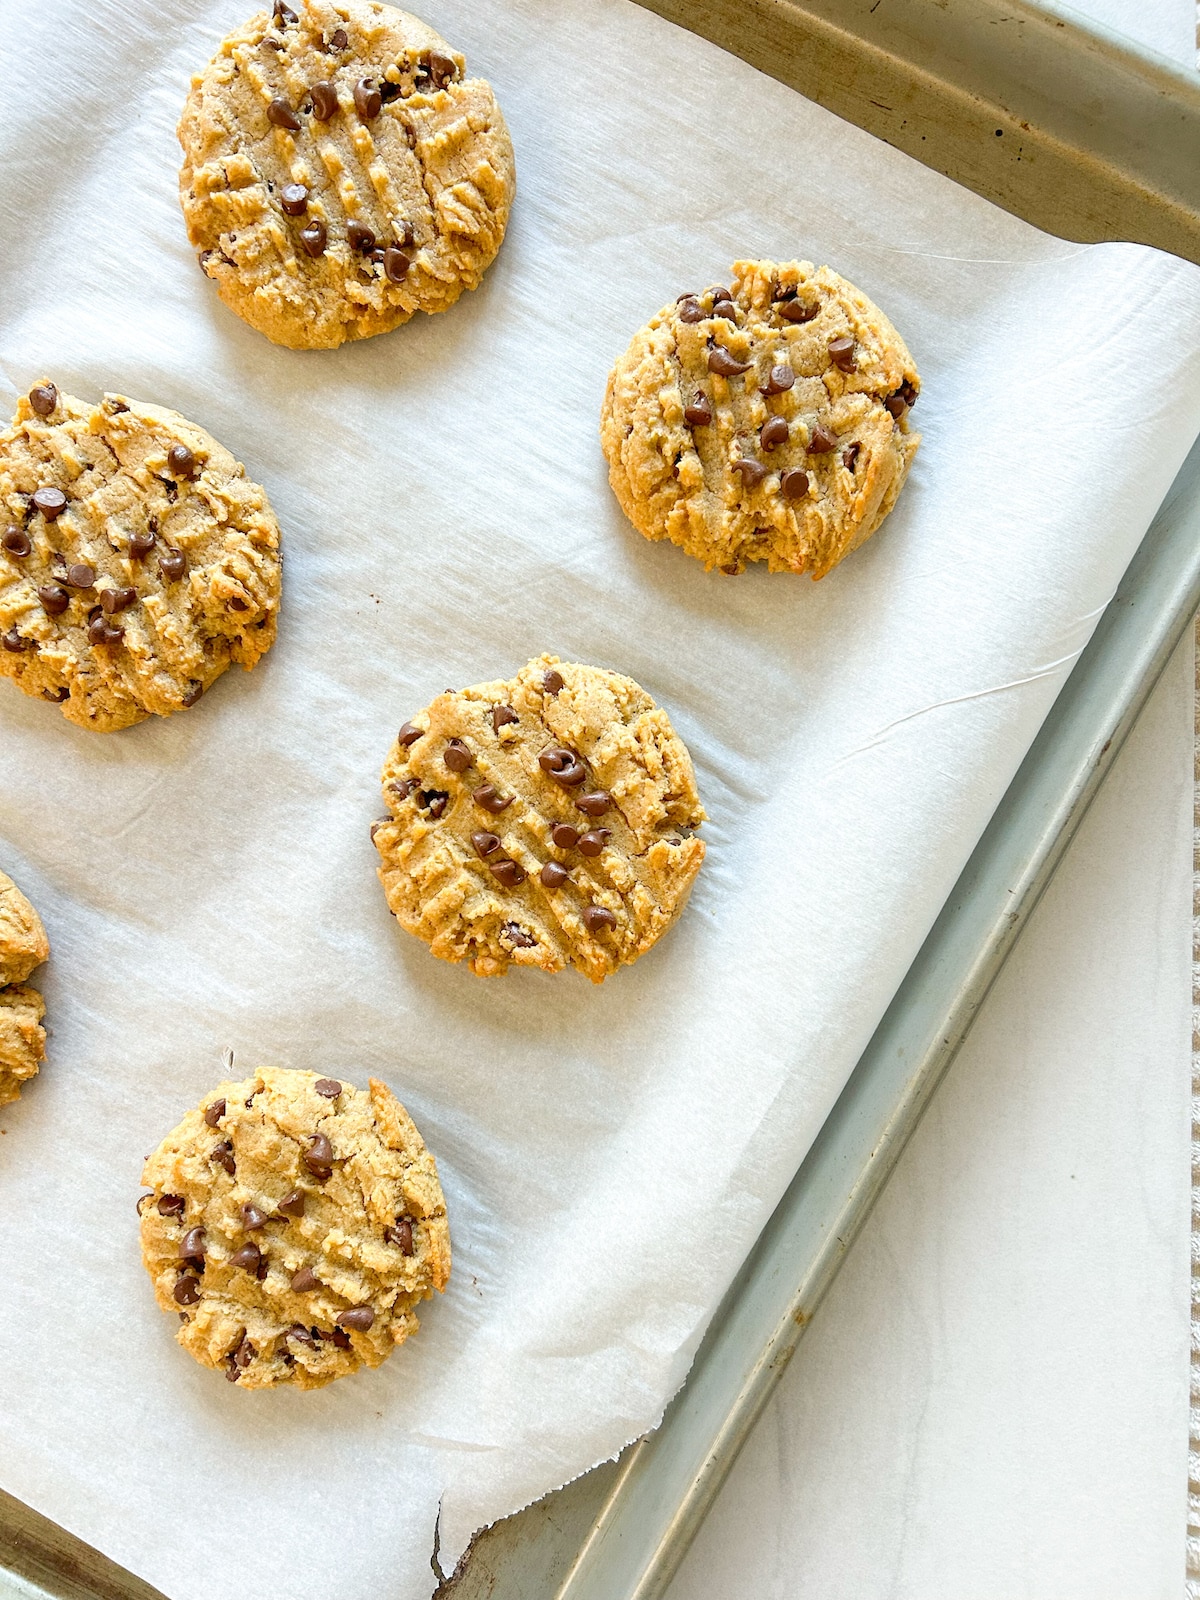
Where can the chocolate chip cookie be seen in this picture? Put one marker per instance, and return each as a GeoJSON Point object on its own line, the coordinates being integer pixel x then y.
{"type": "Point", "coordinates": [294, 1225]}
{"type": "Point", "coordinates": [341, 171]}
{"type": "Point", "coordinates": [767, 421]}
{"type": "Point", "coordinates": [23, 946]}
{"type": "Point", "coordinates": [542, 822]}
{"type": "Point", "coordinates": [137, 560]}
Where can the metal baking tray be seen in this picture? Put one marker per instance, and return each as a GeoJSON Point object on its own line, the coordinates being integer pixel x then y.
{"type": "Point", "coordinates": [1088, 136]}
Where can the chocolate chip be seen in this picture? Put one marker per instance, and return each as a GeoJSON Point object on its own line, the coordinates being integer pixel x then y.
{"type": "Point", "coordinates": [908, 393]}
{"type": "Point", "coordinates": [50, 502]}
{"type": "Point", "coordinates": [340, 1338]}
{"type": "Point", "coordinates": [797, 311]}
{"type": "Point", "coordinates": [895, 406]}
{"type": "Point", "coordinates": [773, 431]}
{"type": "Point", "coordinates": [732, 570]}
{"type": "Point", "coordinates": [595, 804]}
{"type": "Point", "coordinates": [359, 236]}
{"type": "Point", "coordinates": [433, 801]}
{"type": "Point", "coordinates": [718, 293]}
{"type": "Point", "coordinates": [395, 264]}
{"type": "Point", "coordinates": [172, 565]}
{"type": "Point", "coordinates": [117, 599]}
{"type": "Point", "coordinates": [822, 439]}
{"type": "Point", "coordinates": [171, 1205]}
{"type": "Point", "coordinates": [360, 1318]}
{"type": "Point", "coordinates": [509, 873]}
{"type": "Point", "coordinates": [252, 1217]}
{"type": "Point", "coordinates": [80, 575]}
{"type": "Point", "coordinates": [318, 1158]}
{"type": "Point", "coordinates": [564, 766]}
{"type": "Point", "coordinates": [794, 484]}
{"type": "Point", "coordinates": [247, 1257]}
{"type": "Point", "coordinates": [405, 237]}
{"type": "Point", "coordinates": [409, 734]}
{"type": "Point", "coordinates": [292, 1204]}
{"type": "Point", "coordinates": [43, 398]}
{"type": "Point", "coordinates": [181, 461]}
{"type": "Point", "coordinates": [753, 472]}
{"type": "Point", "coordinates": [338, 39]}
{"type": "Point", "coordinates": [314, 237]}
{"type": "Point", "coordinates": [368, 102]}
{"type": "Point", "coordinates": [54, 599]}
{"type": "Point", "coordinates": [690, 310]}
{"type": "Point", "coordinates": [485, 844]}
{"type": "Point", "coordinates": [284, 12]}
{"type": "Point", "coordinates": [300, 1334]}
{"type": "Point", "coordinates": [502, 716]}
{"type": "Point", "coordinates": [192, 693]}
{"type": "Point", "coordinates": [141, 543]}
{"type": "Point", "coordinates": [779, 379]}
{"type": "Point", "coordinates": [14, 642]}
{"type": "Point", "coordinates": [281, 115]}
{"type": "Point", "coordinates": [293, 197]}
{"type": "Point", "coordinates": [17, 542]}
{"type": "Point", "coordinates": [725, 309]}
{"type": "Point", "coordinates": [389, 91]}
{"type": "Point", "coordinates": [841, 352]}
{"type": "Point", "coordinates": [222, 1154]}
{"type": "Point", "coordinates": [457, 756]}
{"type": "Point", "coordinates": [597, 917]}
{"type": "Point", "coordinates": [592, 844]}
{"type": "Point", "coordinates": [518, 937]}
{"type": "Point", "coordinates": [850, 456]}
{"type": "Point", "coordinates": [441, 68]}
{"type": "Point", "coordinates": [101, 632]}
{"type": "Point", "coordinates": [487, 797]}
{"type": "Point", "coordinates": [401, 1233]}
{"type": "Point", "coordinates": [403, 787]}
{"type": "Point", "coordinates": [725, 363]}
{"type": "Point", "coordinates": [552, 681]}
{"type": "Point", "coordinates": [57, 695]}
{"type": "Point", "coordinates": [186, 1291]}
{"type": "Point", "coordinates": [699, 413]}
{"type": "Point", "coordinates": [564, 835]}
{"type": "Point", "coordinates": [553, 875]}
{"type": "Point", "coordinates": [305, 1281]}
{"type": "Point", "coordinates": [324, 101]}
{"type": "Point", "coordinates": [214, 1113]}
{"type": "Point", "coordinates": [192, 1246]}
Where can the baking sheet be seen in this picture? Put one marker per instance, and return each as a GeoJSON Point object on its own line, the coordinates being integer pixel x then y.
{"type": "Point", "coordinates": [208, 883]}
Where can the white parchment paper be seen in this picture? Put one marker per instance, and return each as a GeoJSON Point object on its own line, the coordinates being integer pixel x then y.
{"type": "Point", "coordinates": [608, 1155]}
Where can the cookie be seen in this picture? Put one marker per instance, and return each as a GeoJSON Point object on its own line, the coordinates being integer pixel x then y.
{"type": "Point", "coordinates": [542, 822]}
{"type": "Point", "coordinates": [23, 946]}
{"type": "Point", "coordinates": [341, 171]}
{"type": "Point", "coordinates": [766, 422]}
{"type": "Point", "coordinates": [295, 1224]}
{"type": "Point", "coordinates": [137, 560]}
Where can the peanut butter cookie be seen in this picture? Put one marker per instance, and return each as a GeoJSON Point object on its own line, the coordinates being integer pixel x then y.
{"type": "Point", "coordinates": [766, 422]}
{"type": "Point", "coordinates": [294, 1225]}
{"type": "Point", "coordinates": [543, 822]}
{"type": "Point", "coordinates": [137, 560]}
{"type": "Point", "coordinates": [341, 171]}
{"type": "Point", "coordinates": [23, 946]}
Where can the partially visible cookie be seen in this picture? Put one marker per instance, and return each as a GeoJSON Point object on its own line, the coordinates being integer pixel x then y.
{"type": "Point", "coordinates": [137, 560]}
{"type": "Point", "coordinates": [763, 422]}
{"type": "Point", "coordinates": [295, 1224]}
{"type": "Point", "coordinates": [23, 946]}
{"type": "Point", "coordinates": [542, 822]}
{"type": "Point", "coordinates": [341, 171]}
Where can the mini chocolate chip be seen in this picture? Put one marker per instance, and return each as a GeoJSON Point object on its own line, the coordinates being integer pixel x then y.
{"type": "Point", "coordinates": [117, 599]}
{"type": "Point", "coordinates": [172, 565]}
{"type": "Point", "coordinates": [141, 543]}
{"type": "Point", "coordinates": [725, 309]}
{"type": "Point", "coordinates": [597, 917]}
{"type": "Point", "coordinates": [324, 101]}
{"type": "Point", "coordinates": [441, 68]}
{"type": "Point", "coordinates": [252, 1217]}
{"type": "Point", "coordinates": [181, 461]}
{"type": "Point", "coordinates": [171, 1205]}
{"type": "Point", "coordinates": [456, 756]}
{"type": "Point", "coordinates": [509, 873]}
{"type": "Point", "coordinates": [822, 439]}
{"type": "Point", "coordinates": [192, 693]}
{"type": "Point", "coordinates": [214, 1113]}
{"type": "Point", "coordinates": [360, 1318]}
{"type": "Point", "coordinates": [433, 801]}
{"type": "Point", "coordinates": [395, 264]}
{"type": "Point", "coordinates": [14, 642]}
{"type": "Point", "coordinates": [192, 1245]}
{"type": "Point", "coordinates": [487, 797]}
{"type": "Point", "coordinates": [518, 937]}
{"type": "Point", "coordinates": [222, 1154]}
{"type": "Point", "coordinates": [552, 681]}
{"type": "Point", "coordinates": [485, 844]}
{"type": "Point", "coordinates": [841, 352]}
{"type": "Point", "coordinates": [725, 363]}
{"type": "Point", "coordinates": [794, 484]}
{"type": "Point", "coordinates": [797, 311]}
{"type": "Point", "coordinates": [409, 734]}
{"type": "Point", "coordinates": [340, 1338]}
{"type": "Point", "coordinates": [564, 835]}
{"type": "Point", "coordinates": [338, 39]}
{"type": "Point", "coordinates": [305, 1281]}
{"type": "Point", "coordinates": [314, 237]}
{"type": "Point", "coordinates": [244, 1354]}
{"type": "Point", "coordinates": [17, 542]}
{"type": "Point", "coordinates": [281, 115]}
{"type": "Point", "coordinates": [753, 472]}
{"type": "Point", "coordinates": [292, 1204]}
{"type": "Point", "coordinates": [595, 804]}
{"type": "Point", "coordinates": [592, 844]}
{"type": "Point", "coordinates": [54, 599]}
{"type": "Point", "coordinates": [43, 398]}
{"type": "Point", "coordinates": [779, 379]}
{"type": "Point", "coordinates": [248, 1257]}
{"type": "Point", "coordinates": [699, 413]}
{"type": "Point", "coordinates": [690, 310]}
{"type": "Point", "coordinates": [50, 502]}
{"type": "Point", "coordinates": [895, 406]}
{"type": "Point", "coordinates": [502, 716]}
{"type": "Point", "coordinates": [80, 575]}
{"type": "Point", "coordinates": [564, 766]}
{"type": "Point", "coordinates": [101, 632]}
{"type": "Point", "coordinates": [773, 431]}
{"type": "Point", "coordinates": [553, 875]}
{"type": "Point", "coordinates": [401, 1233]}
{"type": "Point", "coordinates": [293, 197]}
{"type": "Point", "coordinates": [850, 456]}
{"type": "Point", "coordinates": [318, 1157]}
{"type": "Point", "coordinates": [405, 237]}
{"type": "Point", "coordinates": [186, 1291]}
{"type": "Point", "coordinates": [329, 1088]}
{"type": "Point", "coordinates": [368, 102]}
